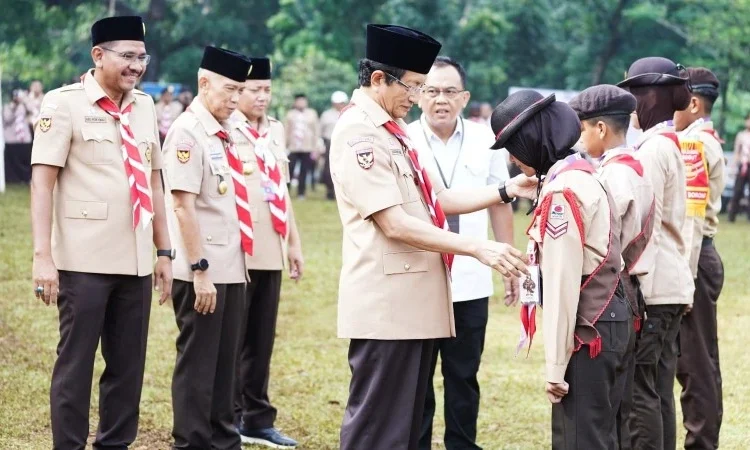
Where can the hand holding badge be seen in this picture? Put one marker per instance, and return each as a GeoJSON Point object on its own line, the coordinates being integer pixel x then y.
{"type": "Point", "coordinates": [530, 298]}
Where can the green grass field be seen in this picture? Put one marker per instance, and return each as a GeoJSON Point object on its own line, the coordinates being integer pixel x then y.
{"type": "Point", "coordinates": [310, 373]}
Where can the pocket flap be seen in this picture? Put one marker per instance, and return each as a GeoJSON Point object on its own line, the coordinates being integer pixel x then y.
{"type": "Point", "coordinates": [403, 166]}
{"type": "Point", "coordinates": [405, 262]}
{"type": "Point", "coordinates": [98, 134]}
{"type": "Point", "coordinates": [75, 209]}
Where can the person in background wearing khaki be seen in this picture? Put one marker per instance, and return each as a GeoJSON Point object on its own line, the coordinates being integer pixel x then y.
{"type": "Point", "coordinates": [167, 110]}
{"type": "Point", "coordinates": [394, 289]}
{"type": "Point", "coordinates": [260, 145]}
{"type": "Point", "coordinates": [211, 225]}
{"type": "Point", "coordinates": [328, 120]}
{"type": "Point", "coordinates": [459, 152]}
{"type": "Point", "coordinates": [604, 112]}
{"type": "Point", "coordinates": [660, 88]}
{"type": "Point", "coordinates": [698, 369]}
{"type": "Point", "coordinates": [741, 159]}
{"type": "Point", "coordinates": [96, 207]}
{"type": "Point", "coordinates": [302, 136]}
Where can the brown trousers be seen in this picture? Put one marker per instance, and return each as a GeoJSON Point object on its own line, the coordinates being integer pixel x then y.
{"type": "Point", "coordinates": [387, 394]}
{"type": "Point", "coordinates": [115, 309]}
{"type": "Point", "coordinates": [698, 370]}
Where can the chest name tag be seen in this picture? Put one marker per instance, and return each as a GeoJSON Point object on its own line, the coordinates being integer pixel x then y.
{"type": "Point", "coordinates": [95, 119]}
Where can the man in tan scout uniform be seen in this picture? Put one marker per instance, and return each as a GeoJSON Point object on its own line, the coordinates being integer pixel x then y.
{"type": "Point", "coordinates": [303, 133]}
{"type": "Point", "coordinates": [167, 110]}
{"type": "Point", "coordinates": [96, 207]}
{"type": "Point", "coordinates": [660, 87]}
{"type": "Point", "coordinates": [698, 369]}
{"type": "Point", "coordinates": [604, 112]}
{"type": "Point", "coordinates": [260, 144]}
{"type": "Point", "coordinates": [394, 292]}
{"type": "Point", "coordinates": [211, 226]}
{"type": "Point", "coordinates": [575, 260]}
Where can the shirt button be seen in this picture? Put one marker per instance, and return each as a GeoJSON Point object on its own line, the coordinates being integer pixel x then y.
{"type": "Point", "coordinates": [84, 213]}
{"type": "Point", "coordinates": [208, 238]}
{"type": "Point", "coordinates": [612, 315]}
{"type": "Point", "coordinates": [407, 267]}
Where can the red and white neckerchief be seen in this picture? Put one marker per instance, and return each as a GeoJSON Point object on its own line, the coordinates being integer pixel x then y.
{"type": "Point", "coordinates": [140, 199]}
{"type": "Point", "coordinates": [438, 216]}
{"type": "Point", "coordinates": [271, 175]}
{"type": "Point", "coordinates": [241, 198]}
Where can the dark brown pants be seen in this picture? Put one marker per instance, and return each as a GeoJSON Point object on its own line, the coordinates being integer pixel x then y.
{"type": "Point", "coordinates": [698, 368]}
{"type": "Point", "coordinates": [587, 416]}
{"type": "Point", "coordinates": [386, 394]}
{"type": "Point", "coordinates": [633, 292]}
{"type": "Point", "coordinates": [252, 407]}
{"type": "Point", "coordinates": [738, 194]}
{"type": "Point", "coordinates": [115, 309]}
{"type": "Point", "coordinates": [652, 419]}
{"type": "Point", "coordinates": [203, 380]}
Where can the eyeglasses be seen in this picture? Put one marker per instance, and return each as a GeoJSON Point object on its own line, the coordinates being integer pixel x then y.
{"type": "Point", "coordinates": [449, 93]}
{"type": "Point", "coordinates": [412, 90]}
{"type": "Point", "coordinates": [130, 57]}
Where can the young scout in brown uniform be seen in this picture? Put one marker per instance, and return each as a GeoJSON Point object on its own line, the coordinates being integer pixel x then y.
{"type": "Point", "coordinates": [394, 293]}
{"type": "Point", "coordinates": [95, 227]}
{"type": "Point", "coordinates": [587, 321]}
{"type": "Point", "coordinates": [604, 112]}
{"type": "Point", "coordinates": [698, 368]}
{"type": "Point", "coordinates": [260, 144]}
{"type": "Point", "coordinates": [211, 226]}
{"type": "Point", "coordinates": [660, 87]}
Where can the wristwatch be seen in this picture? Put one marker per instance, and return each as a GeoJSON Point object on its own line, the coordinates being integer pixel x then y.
{"type": "Point", "coordinates": [504, 194]}
{"type": "Point", "coordinates": [169, 253]}
{"type": "Point", "coordinates": [202, 264]}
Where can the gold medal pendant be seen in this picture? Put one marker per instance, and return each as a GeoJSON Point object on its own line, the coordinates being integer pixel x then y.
{"type": "Point", "coordinates": [223, 186]}
{"type": "Point", "coordinates": [247, 168]}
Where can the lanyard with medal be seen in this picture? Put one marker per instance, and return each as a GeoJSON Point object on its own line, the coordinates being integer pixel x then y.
{"type": "Point", "coordinates": [453, 221]}
{"type": "Point", "coordinates": [530, 297]}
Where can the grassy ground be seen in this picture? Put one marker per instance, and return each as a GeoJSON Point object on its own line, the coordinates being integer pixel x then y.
{"type": "Point", "coordinates": [310, 371]}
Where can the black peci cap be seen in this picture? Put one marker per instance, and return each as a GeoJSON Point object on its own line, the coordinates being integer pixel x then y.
{"type": "Point", "coordinates": [226, 63]}
{"type": "Point", "coordinates": [401, 47]}
{"type": "Point", "coordinates": [260, 69]}
{"type": "Point", "coordinates": [119, 28]}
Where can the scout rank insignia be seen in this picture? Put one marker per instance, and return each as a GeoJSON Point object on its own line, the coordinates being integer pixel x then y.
{"type": "Point", "coordinates": [365, 158]}
{"type": "Point", "coordinates": [183, 151]}
{"type": "Point", "coordinates": [45, 123]}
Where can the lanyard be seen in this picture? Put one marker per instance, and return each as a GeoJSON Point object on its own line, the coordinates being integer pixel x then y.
{"type": "Point", "coordinates": [447, 183]}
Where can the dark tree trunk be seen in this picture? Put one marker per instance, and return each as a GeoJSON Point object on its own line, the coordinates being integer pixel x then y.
{"type": "Point", "coordinates": [612, 45]}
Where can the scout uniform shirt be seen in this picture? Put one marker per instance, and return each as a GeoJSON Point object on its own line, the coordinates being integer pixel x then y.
{"type": "Point", "coordinates": [166, 114]}
{"type": "Point", "coordinates": [196, 162]}
{"type": "Point", "coordinates": [303, 130]}
{"type": "Point", "coordinates": [269, 248]}
{"type": "Point", "coordinates": [387, 289]}
{"type": "Point", "coordinates": [709, 174]}
{"type": "Point", "coordinates": [92, 221]}
{"type": "Point", "coordinates": [634, 204]}
{"type": "Point", "coordinates": [573, 241]}
{"type": "Point", "coordinates": [669, 280]}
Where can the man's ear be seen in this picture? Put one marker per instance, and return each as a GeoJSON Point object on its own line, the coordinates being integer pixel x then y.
{"type": "Point", "coordinates": [602, 129]}
{"type": "Point", "coordinates": [377, 78]}
{"type": "Point", "coordinates": [466, 96]}
{"type": "Point", "coordinates": [695, 105]}
{"type": "Point", "coordinates": [97, 54]}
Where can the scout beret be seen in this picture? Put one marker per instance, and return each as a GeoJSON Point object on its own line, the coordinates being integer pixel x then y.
{"type": "Point", "coordinates": [260, 69]}
{"type": "Point", "coordinates": [401, 47]}
{"type": "Point", "coordinates": [226, 63]}
{"type": "Point", "coordinates": [704, 82]}
{"type": "Point", "coordinates": [119, 28]}
{"type": "Point", "coordinates": [654, 71]}
{"type": "Point", "coordinates": [603, 100]}
{"type": "Point", "coordinates": [514, 111]}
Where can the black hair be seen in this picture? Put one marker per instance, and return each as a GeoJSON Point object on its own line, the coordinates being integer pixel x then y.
{"type": "Point", "coordinates": [445, 61]}
{"type": "Point", "coordinates": [618, 123]}
{"type": "Point", "coordinates": [299, 95]}
{"type": "Point", "coordinates": [165, 90]}
{"type": "Point", "coordinates": [708, 102]}
{"type": "Point", "coordinates": [368, 66]}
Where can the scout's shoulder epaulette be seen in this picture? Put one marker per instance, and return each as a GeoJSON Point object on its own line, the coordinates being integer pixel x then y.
{"type": "Point", "coordinates": [69, 88]}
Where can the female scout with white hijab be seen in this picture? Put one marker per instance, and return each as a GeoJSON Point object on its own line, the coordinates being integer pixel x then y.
{"type": "Point", "coordinates": [587, 320]}
{"type": "Point", "coordinates": [261, 146]}
{"type": "Point", "coordinates": [91, 139]}
{"type": "Point", "coordinates": [394, 292]}
{"type": "Point", "coordinates": [211, 225]}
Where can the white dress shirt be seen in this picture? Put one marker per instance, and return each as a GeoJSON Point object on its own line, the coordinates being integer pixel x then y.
{"type": "Point", "coordinates": [468, 150]}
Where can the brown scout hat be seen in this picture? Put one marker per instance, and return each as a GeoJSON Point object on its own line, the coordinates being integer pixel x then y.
{"type": "Point", "coordinates": [603, 100]}
{"type": "Point", "coordinates": [654, 71]}
{"type": "Point", "coordinates": [703, 82]}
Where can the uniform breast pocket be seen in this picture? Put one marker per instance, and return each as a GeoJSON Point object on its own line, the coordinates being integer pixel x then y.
{"type": "Point", "coordinates": [101, 145]}
{"type": "Point", "coordinates": [214, 232]}
{"type": "Point", "coordinates": [75, 209]}
{"type": "Point", "coordinates": [405, 262]}
{"type": "Point", "coordinates": [407, 182]}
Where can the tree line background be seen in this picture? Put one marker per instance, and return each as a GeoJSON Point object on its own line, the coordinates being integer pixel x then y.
{"type": "Point", "coordinates": [315, 44]}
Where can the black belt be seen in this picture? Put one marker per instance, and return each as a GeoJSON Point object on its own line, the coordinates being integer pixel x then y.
{"type": "Point", "coordinates": [707, 241]}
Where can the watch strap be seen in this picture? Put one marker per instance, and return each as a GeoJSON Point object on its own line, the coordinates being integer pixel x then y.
{"type": "Point", "coordinates": [504, 194]}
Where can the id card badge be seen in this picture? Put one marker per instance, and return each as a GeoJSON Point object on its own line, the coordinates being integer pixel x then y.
{"type": "Point", "coordinates": [530, 284]}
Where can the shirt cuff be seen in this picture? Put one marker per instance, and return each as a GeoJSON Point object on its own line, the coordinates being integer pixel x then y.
{"type": "Point", "coordinates": [556, 373]}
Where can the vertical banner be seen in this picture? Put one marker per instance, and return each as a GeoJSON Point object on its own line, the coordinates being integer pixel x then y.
{"type": "Point", "coordinates": [696, 176]}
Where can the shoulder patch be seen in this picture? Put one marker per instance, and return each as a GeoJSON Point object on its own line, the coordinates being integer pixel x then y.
{"type": "Point", "coordinates": [184, 148]}
{"type": "Point", "coordinates": [359, 139]}
{"type": "Point", "coordinates": [365, 158]}
{"type": "Point", "coordinates": [557, 212]}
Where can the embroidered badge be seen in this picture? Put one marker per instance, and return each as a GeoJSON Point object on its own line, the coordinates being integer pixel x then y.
{"type": "Point", "coordinates": [360, 139]}
{"type": "Point", "coordinates": [183, 151]}
{"type": "Point", "coordinates": [45, 123]}
{"type": "Point", "coordinates": [555, 231]}
{"type": "Point", "coordinates": [365, 158]}
{"type": "Point", "coordinates": [557, 212]}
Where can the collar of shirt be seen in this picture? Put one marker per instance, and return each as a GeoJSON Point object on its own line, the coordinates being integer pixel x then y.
{"type": "Point", "coordinates": [95, 92]}
{"type": "Point", "coordinates": [209, 122]}
{"type": "Point", "coordinates": [374, 111]}
{"type": "Point", "coordinates": [611, 153]}
{"type": "Point", "coordinates": [656, 129]}
{"type": "Point", "coordinates": [704, 123]}
{"type": "Point", "coordinates": [453, 142]}
{"type": "Point", "coordinates": [238, 119]}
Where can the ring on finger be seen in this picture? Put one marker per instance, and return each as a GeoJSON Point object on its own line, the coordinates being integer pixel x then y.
{"type": "Point", "coordinates": [39, 290]}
